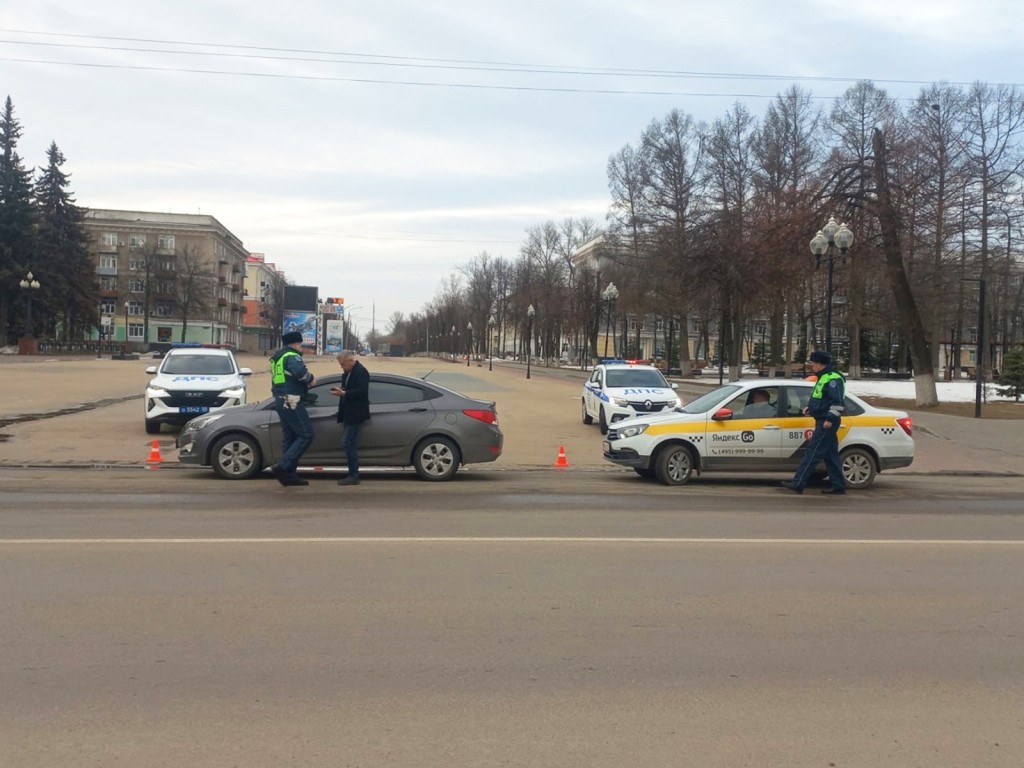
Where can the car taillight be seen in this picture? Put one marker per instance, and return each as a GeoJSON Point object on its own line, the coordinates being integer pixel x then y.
{"type": "Point", "coordinates": [908, 425]}
{"type": "Point", "coordinates": [487, 417]}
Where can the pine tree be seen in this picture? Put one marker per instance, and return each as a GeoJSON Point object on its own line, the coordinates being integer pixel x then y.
{"type": "Point", "coordinates": [17, 224]}
{"type": "Point", "coordinates": [1012, 374]}
{"type": "Point", "coordinates": [70, 291]}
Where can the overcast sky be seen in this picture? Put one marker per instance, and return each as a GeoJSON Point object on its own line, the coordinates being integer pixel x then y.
{"type": "Point", "coordinates": [376, 191]}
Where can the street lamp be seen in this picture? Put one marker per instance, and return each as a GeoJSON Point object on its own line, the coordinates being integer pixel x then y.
{"type": "Point", "coordinates": [490, 335]}
{"type": "Point", "coordinates": [830, 237]}
{"type": "Point", "coordinates": [126, 329]}
{"type": "Point", "coordinates": [530, 312]}
{"type": "Point", "coordinates": [609, 295]}
{"type": "Point", "coordinates": [29, 284]}
{"type": "Point", "coordinates": [980, 351]}
{"type": "Point", "coordinates": [469, 342]}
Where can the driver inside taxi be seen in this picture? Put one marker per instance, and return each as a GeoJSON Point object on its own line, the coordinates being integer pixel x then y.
{"type": "Point", "coordinates": [759, 406]}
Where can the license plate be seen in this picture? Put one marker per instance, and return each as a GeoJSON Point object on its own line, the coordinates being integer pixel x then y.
{"type": "Point", "coordinates": [607, 446]}
{"type": "Point", "coordinates": [194, 409]}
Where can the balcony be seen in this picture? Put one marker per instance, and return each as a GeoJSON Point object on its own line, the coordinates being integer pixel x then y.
{"type": "Point", "coordinates": [236, 287]}
{"type": "Point", "coordinates": [108, 293]}
{"type": "Point", "coordinates": [107, 271]}
{"type": "Point", "coordinates": [236, 267]}
{"type": "Point", "coordinates": [222, 279]}
{"type": "Point", "coordinates": [221, 302]}
{"type": "Point", "coordinates": [243, 309]}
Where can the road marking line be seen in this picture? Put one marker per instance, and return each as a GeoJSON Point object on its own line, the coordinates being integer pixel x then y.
{"type": "Point", "coordinates": [518, 540]}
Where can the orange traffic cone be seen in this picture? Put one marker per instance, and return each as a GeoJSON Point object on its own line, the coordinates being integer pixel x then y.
{"type": "Point", "coordinates": [561, 462]}
{"type": "Point", "coordinates": [154, 455]}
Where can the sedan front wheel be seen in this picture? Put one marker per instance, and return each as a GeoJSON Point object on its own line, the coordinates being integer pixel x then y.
{"type": "Point", "coordinates": [236, 457]}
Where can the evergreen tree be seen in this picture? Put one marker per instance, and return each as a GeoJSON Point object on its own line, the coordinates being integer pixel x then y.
{"type": "Point", "coordinates": [17, 224]}
{"type": "Point", "coordinates": [1012, 374]}
{"type": "Point", "coordinates": [69, 290]}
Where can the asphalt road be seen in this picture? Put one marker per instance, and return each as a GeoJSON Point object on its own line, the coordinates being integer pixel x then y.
{"type": "Point", "coordinates": [520, 618]}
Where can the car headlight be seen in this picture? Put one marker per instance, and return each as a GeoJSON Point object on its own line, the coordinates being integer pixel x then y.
{"type": "Point", "coordinates": [235, 392]}
{"type": "Point", "coordinates": [632, 431]}
{"type": "Point", "coordinates": [674, 403]}
{"type": "Point", "coordinates": [156, 392]}
{"type": "Point", "coordinates": [194, 425]}
{"type": "Point", "coordinates": [621, 402]}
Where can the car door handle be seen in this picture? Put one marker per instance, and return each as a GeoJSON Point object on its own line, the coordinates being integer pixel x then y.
{"type": "Point", "coordinates": [417, 410]}
{"type": "Point", "coordinates": [771, 426]}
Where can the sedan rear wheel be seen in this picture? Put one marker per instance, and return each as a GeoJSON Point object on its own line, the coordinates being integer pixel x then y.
{"type": "Point", "coordinates": [236, 457]}
{"type": "Point", "coordinates": [858, 468]}
{"type": "Point", "coordinates": [674, 465]}
{"type": "Point", "coordinates": [436, 459]}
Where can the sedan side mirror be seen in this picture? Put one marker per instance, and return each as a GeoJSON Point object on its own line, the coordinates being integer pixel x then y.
{"type": "Point", "coordinates": [674, 386]}
{"type": "Point", "coordinates": [151, 370]}
{"type": "Point", "coordinates": [722, 414]}
{"type": "Point", "coordinates": [245, 371]}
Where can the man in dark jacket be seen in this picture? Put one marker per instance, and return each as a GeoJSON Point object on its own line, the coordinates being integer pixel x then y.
{"type": "Point", "coordinates": [353, 410]}
{"type": "Point", "coordinates": [826, 406]}
{"type": "Point", "coordinates": [290, 381]}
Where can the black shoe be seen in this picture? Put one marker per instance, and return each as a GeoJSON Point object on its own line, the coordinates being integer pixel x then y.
{"type": "Point", "coordinates": [834, 491]}
{"type": "Point", "coordinates": [294, 480]}
{"type": "Point", "coordinates": [350, 480]}
{"type": "Point", "coordinates": [279, 474]}
{"type": "Point", "coordinates": [789, 485]}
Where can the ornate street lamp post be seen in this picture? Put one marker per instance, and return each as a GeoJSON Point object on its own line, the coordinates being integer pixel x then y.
{"type": "Point", "coordinates": [490, 336]}
{"type": "Point", "coordinates": [29, 345]}
{"type": "Point", "coordinates": [530, 312]}
{"type": "Point", "coordinates": [609, 295]}
{"type": "Point", "coordinates": [126, 329]}
{"type": "Point", "coordinates": [469, 343]}
{"type": "Point", "coordinates": [825, 243]}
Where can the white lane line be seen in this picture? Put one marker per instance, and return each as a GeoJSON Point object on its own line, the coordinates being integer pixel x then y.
{"type": "Point", "coordinates": [519, 540]}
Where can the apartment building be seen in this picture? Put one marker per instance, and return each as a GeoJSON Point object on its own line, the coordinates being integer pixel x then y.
{"type": "Point", "coordinates": [146, 263]}
{"type": "Point", "coordinates": [263, 291]}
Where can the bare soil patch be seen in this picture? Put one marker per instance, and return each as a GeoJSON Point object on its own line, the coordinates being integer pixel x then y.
{"type": "Point", "coordinates": [1000, 409]}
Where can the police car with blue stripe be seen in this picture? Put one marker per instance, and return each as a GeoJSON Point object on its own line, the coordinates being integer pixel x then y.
{"type": "Point", "coordinates": [620, 390]}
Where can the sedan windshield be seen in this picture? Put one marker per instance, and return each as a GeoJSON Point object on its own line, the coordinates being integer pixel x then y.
{"type": "Point", "coordinates": [635, 377]}
{"type": "Point", "coordinates": [211, 365]}
{"type": "Point", "coordinates": [705, 403]}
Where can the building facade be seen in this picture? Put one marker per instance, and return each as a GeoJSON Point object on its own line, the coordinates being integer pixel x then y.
{"type": "Point", "coordinates": [167, 277]}
{"type": "Point", "coordinates": [263, 295]}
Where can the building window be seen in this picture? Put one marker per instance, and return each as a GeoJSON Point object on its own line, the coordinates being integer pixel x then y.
{"type": "Point", "coordinates": [135, 308]}
{"type": "Point", "coordinates": [107, 306]}
{"type": "Point", "coordinates": [167, 265]}
{"type": "Point", "coordinates": [108, 240]}
{"type": "Point", "coordinates": [632, 323]}
{"type": "Point", "coordinates": [165, 308]}
{"type": "Point", "coordinates": [165, 286]}
{"type": "Point", "coordinates": [135, 285]}
{"type": "Point", "coordinates": [136, 242]}
{"type": "Point", "coordinates": [972, 356]}
{"type": "Point", "coordinates": [165, 242]}
{"type": "Point", "coordinates": [108, 261]}
{"type": "Point", "coordinates": [108, 283]}
{"type": "Point", "coordinates": [137, 265]}
{"type": "Point", "coordinates": [135, 330]}
{"type": "Point", "coordinates": [106, 331]}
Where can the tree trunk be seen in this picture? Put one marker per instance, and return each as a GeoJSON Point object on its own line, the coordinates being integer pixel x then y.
{"type": "Point", "coordinates": [910, 318]}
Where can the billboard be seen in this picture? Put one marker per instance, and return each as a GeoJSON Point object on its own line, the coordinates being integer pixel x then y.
{"type": "Point", "coordinates": [304, 323]}
{"type": "Point", "coordinates": [300, 298]}
{"type": "Point", "coordinates": [335, 338]}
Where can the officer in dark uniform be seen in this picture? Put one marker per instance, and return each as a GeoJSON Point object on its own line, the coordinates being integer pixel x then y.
{"type": "Point", "coordinates": [826, 406]}
{"type": "Point", "coordinates": [290, 381]}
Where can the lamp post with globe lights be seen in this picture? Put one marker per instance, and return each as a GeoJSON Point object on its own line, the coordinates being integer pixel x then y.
{"type": "Point", "coordinates": [530, 312]}
{"type": "Point", "coordinates": [825, 243]}
{"type": "Point", "coordinates": [469, 343]}
{"type": "Point", "coordinates": [609, 296]}
{"type": "Point", "coordinates": [28, 344]}
{"type": "Point", "coordinates": [490, 336]}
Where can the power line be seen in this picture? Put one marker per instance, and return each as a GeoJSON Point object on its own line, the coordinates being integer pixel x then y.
{"type": "Point", "coordinates": [467, 64]}
{"type": "Point", "coordinates": [374, 81]}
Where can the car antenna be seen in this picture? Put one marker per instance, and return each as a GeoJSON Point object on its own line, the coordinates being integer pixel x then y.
{"type": "Point", "coordinates": [424, 376]}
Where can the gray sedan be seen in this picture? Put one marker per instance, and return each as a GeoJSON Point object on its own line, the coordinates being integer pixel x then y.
{"type": "Point", "coordinates": [412, 423]}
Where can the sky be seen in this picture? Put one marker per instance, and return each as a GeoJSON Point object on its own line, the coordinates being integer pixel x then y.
{"type": "Point", "coordinates": [372, 148]}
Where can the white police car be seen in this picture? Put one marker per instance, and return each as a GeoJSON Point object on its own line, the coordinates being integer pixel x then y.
{"type": "Point", "coordinates": [757, 426]}
{"type": "Point", "coordinates": [190, 382]}
{"type": "Point", "coordinates": [621, 390]}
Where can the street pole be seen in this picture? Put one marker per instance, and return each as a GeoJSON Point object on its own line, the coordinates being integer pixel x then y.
{"type": "Point", "coordinates": [980, 354]}
{"type": "Point", "coordinates": [469, 343]}
{"type": "Point", "coordinates": [828, 300]}
{"type": "Point", "coordinates": [529, 337]}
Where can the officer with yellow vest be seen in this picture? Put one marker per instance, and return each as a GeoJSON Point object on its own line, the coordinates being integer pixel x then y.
{"type": "Point", "coordinates": [826, 406]}
{"type": "Point", "coordinates": [290, 381]}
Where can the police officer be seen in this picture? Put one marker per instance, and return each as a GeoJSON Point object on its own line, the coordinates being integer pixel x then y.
{"type": "Point", "coordinates": [289, 384]}
{"type": "Point", "coordinates": [826, 406]}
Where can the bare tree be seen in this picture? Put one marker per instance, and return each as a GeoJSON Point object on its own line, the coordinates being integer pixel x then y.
{"type": "Point", "coordinates": [194, 285]}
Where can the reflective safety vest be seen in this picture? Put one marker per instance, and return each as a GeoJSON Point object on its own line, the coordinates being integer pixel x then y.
{"type": "Point", "coordinates": [277, 370]}
{"type": "Point", "coordinates": [823, 380]}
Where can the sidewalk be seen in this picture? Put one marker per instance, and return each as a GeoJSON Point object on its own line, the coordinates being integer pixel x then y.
{"type": "Point", "coordinates": [538, 415]}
